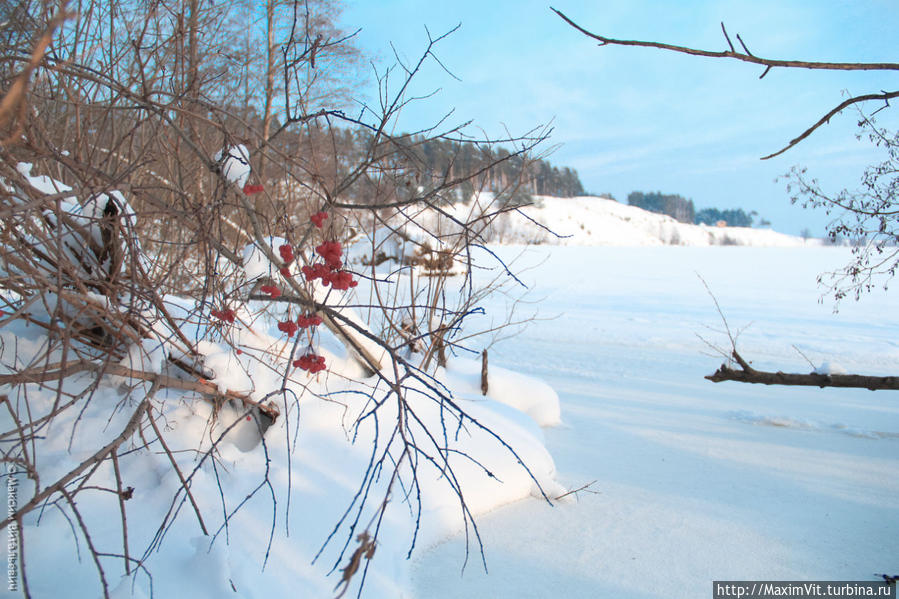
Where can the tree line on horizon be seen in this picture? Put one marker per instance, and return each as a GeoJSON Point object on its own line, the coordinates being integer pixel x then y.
{"type": "Point", "coordinates": [683, 210]}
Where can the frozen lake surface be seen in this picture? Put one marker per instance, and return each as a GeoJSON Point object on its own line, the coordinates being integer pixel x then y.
{"type": "Point", "coordinates": [695, 481]}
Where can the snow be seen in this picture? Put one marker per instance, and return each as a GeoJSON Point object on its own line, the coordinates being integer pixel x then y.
{"type": "Point", "coordinates": [828, 367]}
{"type": "Point", "coordinates": [235, 163]}
{"type": "Point", "coordinates": [256, 264]}
{"type": "Point", "coordinates": [695, 481]}
{"type": "Point", "coordinates": [80, 235]}
{"type": "Point", "coordinates": [592, 221]}
{"type": "Point", "coordinates": [148, 356]}
{"type": "Point", "coordinates": [497, 458]}
{"type": "Point", "coordinates": [327, 461]}
{"type": "Point", "coordinates": [42, 183]}
{"type": "Point", "coordinates": [524, 393]}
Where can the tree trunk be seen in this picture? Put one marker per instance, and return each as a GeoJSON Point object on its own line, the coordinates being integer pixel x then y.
{"type": "Point", "coordinates": [270, 64]}
{"type": "Point", "coordinates": [484, 386]}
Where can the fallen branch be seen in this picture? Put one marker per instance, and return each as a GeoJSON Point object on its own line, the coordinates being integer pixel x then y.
{"type": "Point", "coordinates": [201, 386]}
{"type": "Point", "coordinates": [746, 374]}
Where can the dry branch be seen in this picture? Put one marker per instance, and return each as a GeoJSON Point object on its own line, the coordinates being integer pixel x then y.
{"type": "Point", "coordinates": [768, 63]}
{"type": "Point", "coordinates": [746, 374]}
{"type": "Point", "coordinates": [885, 96]}
{"type": "Point", "coordinates": [201, 386]}
{"type": "Point", "coordinates": [744, 56]}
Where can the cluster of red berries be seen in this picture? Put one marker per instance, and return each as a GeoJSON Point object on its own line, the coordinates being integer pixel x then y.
{"type": "Point", "coordinates": [288, 326]}
{"type": "Point", "coordinates": [272, 291]}
{"type": "Point", "coordinates": [252, 189]}
{"type": "Point", "coordinates": [302, 322]}
{"type": "Point", "coordinates": [309, 320]}
{"type": "Point", "coordinates": [330, 271]}
{"type": "Point", "coordinates": [318, 219]}
{"type": "Point", "coordinates": [226, 315]}
{"type": "Point", "coordinates": [310, 362]}
{"type": "Point", "coordinates": [286, 253]}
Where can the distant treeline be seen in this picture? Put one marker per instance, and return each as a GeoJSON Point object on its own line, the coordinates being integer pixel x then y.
{"type": "Point", "coordinates": [537, 177]}
{"type": "Point", "coordinates": [733, 218]}
{"type": "Point", "coordinates": [682, 209]}
{"type": "Point", "coordinates": [673, 205]}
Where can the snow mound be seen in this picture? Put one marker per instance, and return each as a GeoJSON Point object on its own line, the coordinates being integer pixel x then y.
{"type": "Point", "coordinates": [496, 455]}
{"type": "Point", "coordinates": [524, 393]}
{"type": "Point", "coordinates": [827, 367]}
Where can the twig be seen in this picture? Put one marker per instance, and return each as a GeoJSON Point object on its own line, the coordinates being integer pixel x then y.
{"type": "Point", "coordinates": [184, 485]}
{"type": "Point", "coordinates": [745, 57]}
{"type": "Point", "coordinates": [120, 494]}
{"type": "Point", "coordinates": [585, 488]}
{"type": "Point", "coordinates": [93, 460]}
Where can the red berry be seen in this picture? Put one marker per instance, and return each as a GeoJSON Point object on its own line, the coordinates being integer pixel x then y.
{"type": "Point", "coordinates": [331, 252]}
{"type": "Point", "coordinates": [286, 253]}
{"type": "Point", "coordinates": [318, 218]}
{"type": "Point", "coordinates": [226, 315]}
{"type": "Point", "coordinates": [341, 279]}
{"type": "Point", "coordinates": [311, 363]}
{"type": "Point", "coordinates": [309, 320]}
{"type": "Point", "coordinates": [288, 326]}
{"type": "Point", "coordinates": [316, 271]}
{"type": "Point", "coordinates": [271, 290]}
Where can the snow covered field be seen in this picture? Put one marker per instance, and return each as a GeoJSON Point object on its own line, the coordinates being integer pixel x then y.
{"type": "Point", "coordinates": [590, 221]}
{"type": "Point", "coordinates": [695, 481]}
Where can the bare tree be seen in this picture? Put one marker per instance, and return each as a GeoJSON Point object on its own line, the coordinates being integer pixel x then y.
{"type": "Point", "coordinates": [122, 182]}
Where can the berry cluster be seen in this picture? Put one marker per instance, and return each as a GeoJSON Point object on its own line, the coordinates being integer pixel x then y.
{"type": "Point", "coordinates": [272, 291]}
{"type": "Point", "coordinates": [318, 219]}
{"type": "Point", "coordinates": [311, 363]}
{"type": "Point", "coordinates": [309, 320]}
{"type": "Point", "coordinates": [286, 253]}
{"type": "Point", "coordinates": [226, 315]}
{"type": "Point", "coordinates": [302, 322]}
{"type": "Point", "coordinates": [330, 271]}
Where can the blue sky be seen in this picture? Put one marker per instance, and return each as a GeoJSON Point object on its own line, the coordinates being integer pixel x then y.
{"type": "Point", "coordinates": [639, 119]}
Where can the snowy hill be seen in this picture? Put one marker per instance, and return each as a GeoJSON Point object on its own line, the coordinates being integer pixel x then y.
{"type": "Point", "coordinates": [591, 221]}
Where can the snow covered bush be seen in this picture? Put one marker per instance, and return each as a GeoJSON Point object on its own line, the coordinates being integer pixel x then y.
{"type": "Point", "coordinates": [204, 391]}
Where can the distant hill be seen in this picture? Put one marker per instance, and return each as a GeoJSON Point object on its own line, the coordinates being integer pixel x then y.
{"type": "Point", "coordinates": [588, 220]}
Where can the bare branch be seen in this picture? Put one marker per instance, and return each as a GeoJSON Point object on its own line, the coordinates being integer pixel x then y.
{"type": "Point", "coordinates": [885, 96]}
{"type": "Point", "coordinates": [743, 56]}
